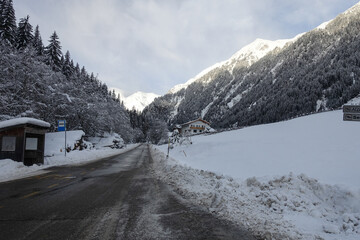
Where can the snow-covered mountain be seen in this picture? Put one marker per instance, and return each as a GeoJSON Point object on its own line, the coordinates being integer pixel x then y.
{"type": "Point", "coordinates": [269, 81]}
{"type": "Point", "coordinates": [247, 56]}
{"type": "Point", "coordinates": [138, 100]}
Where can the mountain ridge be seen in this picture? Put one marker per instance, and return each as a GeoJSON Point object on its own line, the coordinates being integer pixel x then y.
{"type": "Point", "coordinates": [249, 54]}
{"type": "Point", "coordinates": [318, 70]}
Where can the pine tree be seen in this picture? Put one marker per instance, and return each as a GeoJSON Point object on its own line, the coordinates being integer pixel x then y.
{"type": "Point", "coordinates": [8, 22]}
{"type": "Point", "coordinates": [67, 67]}
{"type": "Point", "coordinates": [2, 5]}
{"type": "Point", "coordinates": [53, 52]}
{"type": "Point", "coordinates": [24, 33]}
{"type": "Point", "coordinates": [77, 70]}
{"type": "Point", "coordinates": [83, 72]}
{"type": "Point", "coordinates": [37, 42]}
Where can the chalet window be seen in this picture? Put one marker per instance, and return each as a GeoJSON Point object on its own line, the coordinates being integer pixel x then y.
{"type": "Point", "coordinates": [195, 131]}
{"type": "Point", "coordinates": [8, 144]}
{"type": "Point", "coordinates": [31, 144]}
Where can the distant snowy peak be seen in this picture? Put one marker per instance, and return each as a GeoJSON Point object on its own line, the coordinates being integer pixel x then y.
{"type": "Point", "coordinates": [355, 9]}
{"type": "Point", "coordinates": [258, 49]}
{"type": "Point", "coordinates": [138, 100]}
{"type": "Point", "coordinates": [248, 55]}
{"type": "Point", "coordinates": [351, 11]}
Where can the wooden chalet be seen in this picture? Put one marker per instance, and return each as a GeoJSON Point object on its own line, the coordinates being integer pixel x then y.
{"type": "Point", "coordinates": [197, 126]}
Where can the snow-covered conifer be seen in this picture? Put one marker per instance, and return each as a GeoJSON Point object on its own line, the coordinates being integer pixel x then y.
{"type": "Point", "coordinates": [83, 72]}
{"type": "Point", "coordinates": [77, 70]}
{"type": "Point", "coordinates": [37, 42]}
{"type": "Point", "coordinates": [24, 33]}
{"type": "Point", "coordinates": [2, 4]}
{"type": "Point", "coordinates": [53, 52]}
{"type": "Point", "coordinates": [8, 22]}
{"type": "Point", "coordinates": [67, 67]}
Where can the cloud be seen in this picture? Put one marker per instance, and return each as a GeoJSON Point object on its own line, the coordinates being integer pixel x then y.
{"type": "Point", "coordinates": [151, 45]}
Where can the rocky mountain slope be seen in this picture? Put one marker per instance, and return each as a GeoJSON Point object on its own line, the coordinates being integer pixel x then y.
{"type": "Point", "coordinates": [270, 81]}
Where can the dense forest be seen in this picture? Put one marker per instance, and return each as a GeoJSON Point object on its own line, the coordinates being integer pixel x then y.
{"type": "Point", "coordinates": [41, 82]}
{"type": "Point", "coordinates": [319, 71]}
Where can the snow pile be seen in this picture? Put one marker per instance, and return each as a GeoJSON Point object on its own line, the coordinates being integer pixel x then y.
{"type": "Point", "coordinates": [295, 207]}
{"type": "Point", "coordinates": [297, 179]}
{"type": "Point", "coordinates": [55, 141]}
{"type": "Point", "coordinates": [10, 169]}
{"type": "Point", "coordinates": [78, 157]}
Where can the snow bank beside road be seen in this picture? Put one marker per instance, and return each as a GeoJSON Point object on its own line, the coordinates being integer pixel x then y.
{"type": "Point", "coordinates": [287, 207]}
{"type": "Point", "coordinates": [10, 170]}
{"type": "Point", "coordinates": [297, 179]}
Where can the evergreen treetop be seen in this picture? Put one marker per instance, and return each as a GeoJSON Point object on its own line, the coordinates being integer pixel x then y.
{"type": "Point", "coordinates": [37, 42]}
{"type": "Point", "coordinates": [24, 33]}
{"type": "Point", "coordinates": [53, 52]}
{"type": "Point", "coordinates": [67, 65]}
{"type": "Point", "coordinates": [8, 22]}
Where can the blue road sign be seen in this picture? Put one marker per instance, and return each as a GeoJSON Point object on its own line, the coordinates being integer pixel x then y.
{"type": "Point", "coordinates": [61, 125]}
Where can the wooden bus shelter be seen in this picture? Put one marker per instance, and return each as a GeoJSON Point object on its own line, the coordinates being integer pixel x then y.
{"type": "Point", "coordinates": [23, 140]}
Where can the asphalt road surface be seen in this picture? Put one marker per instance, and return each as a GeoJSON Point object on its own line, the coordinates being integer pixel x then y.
{"type": "Point", "coordinates": [114, 198]}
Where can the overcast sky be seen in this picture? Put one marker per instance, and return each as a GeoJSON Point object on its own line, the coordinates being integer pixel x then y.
{"type": "Point", "coordinates": [152, 45]}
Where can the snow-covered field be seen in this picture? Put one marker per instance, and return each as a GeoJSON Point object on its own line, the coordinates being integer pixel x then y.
{"type": "Point", "coordinates": [298, 179]}
{"type": "Point", "coordinates": [10, 170]}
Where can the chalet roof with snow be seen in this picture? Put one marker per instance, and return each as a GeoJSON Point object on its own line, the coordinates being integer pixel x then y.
{"type": "Point", "coordinates": [199, 119]}
{"type": "Point", "coordinates": [16, 122]}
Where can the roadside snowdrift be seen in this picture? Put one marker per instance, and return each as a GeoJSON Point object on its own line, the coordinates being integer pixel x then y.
{"type": "Point", "coordinates": [260, 179]}
{"type": "Point", "coordinates": [54, 155]}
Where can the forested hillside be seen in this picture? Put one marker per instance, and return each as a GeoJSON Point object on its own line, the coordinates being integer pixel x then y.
{"type": "Point", "coordinates": [39, 81]}
{"type": "Point", "coordinates": [319, 70]}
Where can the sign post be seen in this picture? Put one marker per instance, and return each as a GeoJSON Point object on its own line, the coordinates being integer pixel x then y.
{"type": "Point", "coordinates": [351, 112]}
{"type": "Point", "coordinates": [62, 128]}
{"type": "Point", "coordinates": [168, 152]}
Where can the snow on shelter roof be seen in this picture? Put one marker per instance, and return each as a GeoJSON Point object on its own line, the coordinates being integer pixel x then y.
{"type": "Point", "coordinates": [23, 121]}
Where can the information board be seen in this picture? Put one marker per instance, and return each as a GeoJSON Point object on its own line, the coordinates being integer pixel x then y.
{"type": "Point", "coordinates": [61, 125]}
